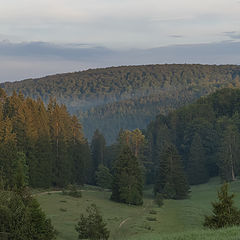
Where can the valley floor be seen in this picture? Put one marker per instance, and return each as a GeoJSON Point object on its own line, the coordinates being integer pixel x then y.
{"type": "Point", "coordinates": [176, 219]}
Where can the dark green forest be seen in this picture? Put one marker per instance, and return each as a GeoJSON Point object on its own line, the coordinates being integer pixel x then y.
{"type": "Point", "coordinates": [127, 97]}
{"type": "Point", "coordinates": [205, 134]}
{"type": "Point", "coordinates": [40, 146]}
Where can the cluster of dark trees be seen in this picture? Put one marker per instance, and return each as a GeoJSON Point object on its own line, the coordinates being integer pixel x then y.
{"type": "Point", "coordinates": [119, 167]}
{"type": "Point", "coordinates": [43, 146]}
{"type": "Point", "coordinates": [127, 97]}
{"type": "Point", "coordinates": [205, 135]}
{"type": "Point", "coordinates": [40, 146]}
{"type": "Point", "coordinates": [187, 146]}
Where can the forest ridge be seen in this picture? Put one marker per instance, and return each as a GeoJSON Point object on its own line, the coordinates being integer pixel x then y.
{"type": "Point", "coordinates": [127, 97]}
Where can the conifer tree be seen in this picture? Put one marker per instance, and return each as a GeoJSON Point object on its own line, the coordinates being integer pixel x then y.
{"type": "Point", "coordinates": [92, 226]}
{"type": "Point", "coordinates": [98, 146]}
{"type": "Point", "coordinates": [170, 177]}
{"type": "Point", "coordinates": [8, 153]}
{"type": "Point", "coordinates": [127, 179]}
{"type": "Point", "coordinates": [196, 167]}
{"type": "Point", "coordinates": [77, 152]}
{"type": "Point", "coordinates": [59, 130]}
{"type": "Point", "coordinates": [225, 214]}
{"type": "Point", "coordinates": [21, 217]}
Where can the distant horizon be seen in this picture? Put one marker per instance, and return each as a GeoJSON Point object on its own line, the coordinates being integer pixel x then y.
{"type": "Point", "coordinates": [19, 61]}
{"type": "Point", "coordinates": [117, 66]}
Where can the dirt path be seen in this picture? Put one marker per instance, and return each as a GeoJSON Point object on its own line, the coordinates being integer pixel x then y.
{"type": "Point", "coordinates": [120, 225]}
{"type": "Point", "coordinates": [43, 193]}
{"type": "Point", "coordinates": [58, 191]}
{"type": "Point", "coordinates": [149, 204]}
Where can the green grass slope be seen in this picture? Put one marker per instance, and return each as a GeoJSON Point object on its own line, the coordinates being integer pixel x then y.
{"type": "Point", "coordinates": [177, 219]}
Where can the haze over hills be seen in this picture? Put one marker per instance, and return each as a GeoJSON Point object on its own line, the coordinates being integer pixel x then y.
{"type": "Point", "coordinates": [127, 97]}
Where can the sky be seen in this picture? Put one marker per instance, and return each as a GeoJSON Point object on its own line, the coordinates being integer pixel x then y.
{"type": "Point", "coordinates": [51, 36]}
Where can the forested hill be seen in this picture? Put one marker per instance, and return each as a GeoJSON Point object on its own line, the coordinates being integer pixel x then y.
{"type": "Point", "coordinates": [130, 96]}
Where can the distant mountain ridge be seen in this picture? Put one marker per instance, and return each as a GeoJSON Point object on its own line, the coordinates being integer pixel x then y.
{"type": "Point", "coordinates": [128, 96]}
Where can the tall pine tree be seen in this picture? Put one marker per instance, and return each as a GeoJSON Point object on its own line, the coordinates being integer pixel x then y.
{"type": "Point", "coordinates": [196, 168]}
{"type": "Point", "coordinates": [98, 148]}
{"type": "Point", "coordinates": [127, 184]}
{"type": "Point", "coordinates": [170, 178]}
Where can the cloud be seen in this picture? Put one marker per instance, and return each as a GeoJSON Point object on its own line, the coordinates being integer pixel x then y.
{"type": "Point", "coordinates": [35, 59]}
{"type": "Point", "coordinates": [233, 34]}
{"type": "Point", "coordinates": [125, 23]}
{"type": "Point", "coordinates": [38, 50]}
{"type": "Point", "coordinates": [175, 36]}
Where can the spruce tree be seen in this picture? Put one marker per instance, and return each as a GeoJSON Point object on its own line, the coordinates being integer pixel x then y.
{"type": "Point", "coordinates": [92, 226]}
{"type": "Point", "coordinates": [224, 212]}
{"type": "Point", "coordinates": [77, 153]}
{"type": "Point", "coordinates": [170, 177]}
{"type": "Point", "coordinates": [127, 184]}
{"type": "Point", "coordinates": [8, 153]}
{"type": "Point", "coordinates": [98, 146]}
{"type": "Point", "coordinates": [196, 168]}
{"type": "Point", "coordinates": [21, 217]}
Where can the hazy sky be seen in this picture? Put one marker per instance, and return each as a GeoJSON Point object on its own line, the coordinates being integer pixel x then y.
{"type": "Point", "coordinates": [114, 24]}
{"type": "Point", "coordinates": [120, 23]}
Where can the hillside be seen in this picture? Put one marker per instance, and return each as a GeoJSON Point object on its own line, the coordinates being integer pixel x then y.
{"type": "Point", "coordinates": [129, 96]}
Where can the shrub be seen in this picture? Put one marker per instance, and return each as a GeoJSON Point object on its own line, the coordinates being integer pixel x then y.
{"type": "Point", "coordinates": [151, 219]}
{"type": "Point", "coordinates": [159, 199]}
{"type": "Point", "coordinates": [72, 191]}
{"type": "Point", "coordinates": [152, 212]}
{"type": "Point", "coordinates": [63, 209]}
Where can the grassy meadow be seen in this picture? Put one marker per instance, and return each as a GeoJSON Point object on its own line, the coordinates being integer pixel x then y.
{"type": "Point", "coordinates": [176, 219]}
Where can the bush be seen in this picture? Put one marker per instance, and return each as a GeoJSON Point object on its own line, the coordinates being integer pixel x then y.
{"type": "Point", "coordinates": [151, 219]}
{"type": "Point", "coordinates": [152, 212]}
{"type": "Point", "coordinates": [72, 191]}
{"type": "Point", "coordinates": [159, 199]}
{"type": "Point", "coordinates": [63, 209]}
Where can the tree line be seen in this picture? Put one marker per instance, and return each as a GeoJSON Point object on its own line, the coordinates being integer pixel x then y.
{"type": "Point", "coordinates": [40, 146]}
{"type": "Point", "coordinates": [185, 147]}
{"type": "Point", "coordinates": [129, 96]}
{"type": "Point", "coordinates": [44, 146]}
{"type": "Point", "coordinates": [205, 134]}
